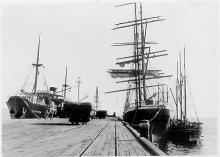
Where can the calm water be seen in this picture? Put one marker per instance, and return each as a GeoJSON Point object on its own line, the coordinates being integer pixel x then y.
{"type": "Point", "coordinates": [206, 146]}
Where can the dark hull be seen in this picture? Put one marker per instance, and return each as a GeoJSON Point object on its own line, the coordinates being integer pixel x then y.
{"type": "Point", "coordinates": [159, 117]}
{"type": "Point", "coordinates": [20, 107]}
{"type": "Point", "coordinates": [181, 133]}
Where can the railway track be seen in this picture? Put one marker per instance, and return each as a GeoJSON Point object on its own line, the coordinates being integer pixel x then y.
{"type": "Point", "coordinates": [114, 139]}
{"type": "Point", "coordinates": [101, 137]}
{"type": "Point", "coordinates": [86, 148]}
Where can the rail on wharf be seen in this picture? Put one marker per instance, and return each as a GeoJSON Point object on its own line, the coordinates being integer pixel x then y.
{"type": "Point", "coordinates": [39, 137]}
{"type": "Point", "coordinates": [148, 145]}
{"type": "Point", "coordinates": [115, 140]}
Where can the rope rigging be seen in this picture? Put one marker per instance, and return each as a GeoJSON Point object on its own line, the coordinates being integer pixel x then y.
{"type": "Point", "coordinates": [25, 82]}
{"type": "Point", "coordinates": [155, 115]}
{"type": "Point", "coordinates": [194, 107]}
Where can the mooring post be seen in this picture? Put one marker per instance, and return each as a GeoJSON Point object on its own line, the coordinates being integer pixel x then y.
{"type": "Point", "coordinates": [145, 129]}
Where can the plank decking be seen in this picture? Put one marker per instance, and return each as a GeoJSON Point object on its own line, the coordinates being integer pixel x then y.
{"type": "Point", "coordinates": [57, 137]}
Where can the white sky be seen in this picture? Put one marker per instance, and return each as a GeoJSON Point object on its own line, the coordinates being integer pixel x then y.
{"type": "Point", "coordinates": [78, 34]}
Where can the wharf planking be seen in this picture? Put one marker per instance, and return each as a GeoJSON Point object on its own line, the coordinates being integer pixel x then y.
{"type": "Point", "coordinates": [57, 137]}
{"type": "Point", "coordinates": [127, 144]}
{"type": "Point", "coordinates": [40, 137]}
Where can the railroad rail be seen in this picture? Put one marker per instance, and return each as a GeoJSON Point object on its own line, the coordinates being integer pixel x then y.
{"type": "Point", "coordinates": [93, 140]}
{"type": "Point", "coordinates": [116, 139]}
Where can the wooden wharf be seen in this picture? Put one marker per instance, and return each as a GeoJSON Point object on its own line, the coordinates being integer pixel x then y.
{"type": "Point", "coordinates": [58, 137]}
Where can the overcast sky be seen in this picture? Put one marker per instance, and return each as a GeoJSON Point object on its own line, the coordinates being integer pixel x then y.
{"type": "Point", "coordinates": [79, 35]}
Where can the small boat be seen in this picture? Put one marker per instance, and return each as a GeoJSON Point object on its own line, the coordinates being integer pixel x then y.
{"type": "Point", "coordinates": [185, 132]}
{"type": "Point", "coordinates": [30, 104]}
{"type": "Point", "coordinates": [182, 130]}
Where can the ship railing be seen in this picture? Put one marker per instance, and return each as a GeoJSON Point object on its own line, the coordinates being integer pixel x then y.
{"type": "Point", "coordinates": [160, 103]}
{"type": "Point", "coordinates": [28, 96]}
{"type": "Point", "coordinates": [40, 101]}
{"type": "Point", "coordinates": [33, 98]}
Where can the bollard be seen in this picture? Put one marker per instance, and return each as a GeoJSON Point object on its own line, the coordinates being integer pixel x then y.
{"type": "Point", "coordinates": [144, 128]}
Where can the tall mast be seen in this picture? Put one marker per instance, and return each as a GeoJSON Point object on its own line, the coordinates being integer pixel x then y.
{"type": "Point", "coordinates": [180, 86]}
{"type": "Point", "coordinates": [78, 82]}
{"type": "Point", "coordinates": [65, 85]}
{"type": "Point", "coordinates": [96, 99]}
{"type": "Point", "coordinates": [135, 64]}
{"type": "Point", "coordinates": [137, 55]}
{"type": "Point", "coordinates": [142, 53]}
{"type": "Point", "coordinates": [177, 84]}
{"type": "Point", "coordinates": [36, 67]}
{"type": "Point", "coordinates": [136, 73]}
{"type": "Point", "coordinates": [138, 59]}
{"type": "Point", "coordinates": [184, 87]}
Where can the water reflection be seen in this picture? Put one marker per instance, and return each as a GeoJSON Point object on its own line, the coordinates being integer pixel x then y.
{"type": "Point", "coordinates": [207, 144]}
{"type": "Point", "coordinates": [178, 148]}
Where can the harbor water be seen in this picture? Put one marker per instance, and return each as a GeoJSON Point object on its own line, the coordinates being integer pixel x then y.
{"type": "Point", "coordinates": [207, 145]}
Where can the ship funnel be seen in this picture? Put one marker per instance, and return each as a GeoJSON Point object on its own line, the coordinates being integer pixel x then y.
{"type": "Point", "coordinates": [53, 89]}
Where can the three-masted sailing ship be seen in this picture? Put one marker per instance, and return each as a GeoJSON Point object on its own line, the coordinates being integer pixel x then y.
{"type": "Point", "coordinates": [143, 102]}
{"type": "Point", "coordinates": [30, 104]}
{"type": "Point", "coordinates": [181, 129]}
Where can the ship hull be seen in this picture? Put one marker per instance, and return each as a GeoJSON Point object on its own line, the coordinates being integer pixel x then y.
{"type": "Point", "coordinates": [181, 133]}
{"type": "Point", "coordinates": [21, 108]}
{"type": "Point", "coordinates": [159, 117]}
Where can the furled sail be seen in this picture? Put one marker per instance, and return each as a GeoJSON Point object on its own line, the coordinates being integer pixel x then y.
{"type": "Point", "coordinates": [126, 73]}
{"type": "Point", "coordinates": [122, 63]}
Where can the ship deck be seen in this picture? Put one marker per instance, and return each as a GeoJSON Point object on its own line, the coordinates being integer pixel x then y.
{"type": "Point", "coordinates": [57, 137]}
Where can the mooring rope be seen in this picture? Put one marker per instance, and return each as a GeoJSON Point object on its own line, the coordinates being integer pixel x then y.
{"type": "Point", "coordinates": [155, 115]}
{"type": "Point", "coordinates": [32, 112]}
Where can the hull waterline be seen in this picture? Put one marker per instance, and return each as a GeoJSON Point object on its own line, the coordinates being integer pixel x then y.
{"type": "Point", "coordinates": [185, 133]}
{"type": "Point", "coordinates": [159, 117]}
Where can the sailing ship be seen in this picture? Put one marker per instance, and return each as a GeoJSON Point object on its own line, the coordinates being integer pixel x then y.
{"type": "Point", "coordinates": [181, 129]}
{"type": "Point", "coordinates": [141, 104]}
{"type": "Point", "coordinates": [30, 104]}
